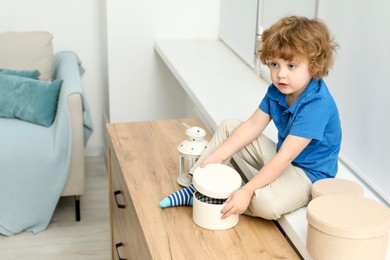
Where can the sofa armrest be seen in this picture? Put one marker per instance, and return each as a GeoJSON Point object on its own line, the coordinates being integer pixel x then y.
{"type": "Point", "coordinates": [76, 179]}
{"type": "Point", "coordinates": [67, 68]}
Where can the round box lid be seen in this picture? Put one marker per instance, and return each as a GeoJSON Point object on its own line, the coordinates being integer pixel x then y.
{"type": "Point", "coordinates": [216, 180]}
{"type": "Point", "coordinates": [336, 186]}
{"type": "Point", "coordinates": [348, 216]}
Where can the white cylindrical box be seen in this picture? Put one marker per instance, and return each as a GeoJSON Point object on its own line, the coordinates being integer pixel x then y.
{"type": "Point", "coordinates": [336, 186]}
{"type": "Point", "coordinates": [214, 184]}
{"type": "Point", "coordinates": [347, 227]}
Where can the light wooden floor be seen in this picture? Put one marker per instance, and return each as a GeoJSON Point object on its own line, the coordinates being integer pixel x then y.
{"type": "Point", "coordinates": [65, 238]}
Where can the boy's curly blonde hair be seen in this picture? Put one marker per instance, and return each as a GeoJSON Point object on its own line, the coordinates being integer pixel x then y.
{"type": "Point", "coordinates": [295, 37]}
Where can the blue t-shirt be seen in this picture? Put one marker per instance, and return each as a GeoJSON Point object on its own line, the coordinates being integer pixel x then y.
{"type": "Point", "coordinates": [314, 115]}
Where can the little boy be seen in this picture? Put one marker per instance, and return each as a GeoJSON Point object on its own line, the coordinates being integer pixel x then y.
{"type": "Point", "coordinates": [299, 52]}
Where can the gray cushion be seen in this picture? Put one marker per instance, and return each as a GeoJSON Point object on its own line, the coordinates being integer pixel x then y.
{"type": "Point", "coordinates": [27, 51]}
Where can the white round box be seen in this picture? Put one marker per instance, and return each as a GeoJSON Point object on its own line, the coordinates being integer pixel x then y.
{"type": "Point", "coordinates": [343, 226]}
{"type": "Point", "coordinates": [214, 183]}
{"type": "Point", "coordinates": [336, 186]}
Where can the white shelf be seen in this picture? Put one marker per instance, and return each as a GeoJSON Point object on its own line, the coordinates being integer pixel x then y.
{"type": "Point", "coordinates": [215, 79]}
{"type": "Point", "coordinates": [222, 86]}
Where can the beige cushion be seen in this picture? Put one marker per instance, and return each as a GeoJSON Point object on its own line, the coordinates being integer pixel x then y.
{"type": "Point", "coordinates": [27, 51]}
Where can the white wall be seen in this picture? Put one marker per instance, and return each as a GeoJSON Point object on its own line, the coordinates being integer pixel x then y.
{"type": "Point", "coordinates": [178, 19]}
{"type": "Point", "coordinates": [360, 86]}
{"type": "Point", "coordinates": [140, 85]}
{"type": "Point", "coordinates": [76, 26]}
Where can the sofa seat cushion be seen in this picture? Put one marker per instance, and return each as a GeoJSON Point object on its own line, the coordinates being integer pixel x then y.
{"type": "Point", "coordinates": [25, 140]}
{"type": "Point", "coordinates": [27, 51]}
{"type": "Point", "coordinates": [33, 173]}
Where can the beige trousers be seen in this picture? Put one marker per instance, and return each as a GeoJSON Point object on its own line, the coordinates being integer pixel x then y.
{"type": "Point", "coordinates": [290, 191]}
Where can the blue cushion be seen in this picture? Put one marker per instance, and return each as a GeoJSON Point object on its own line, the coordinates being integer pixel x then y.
{"type": "Point", "coordinates": [30, 100]}
{"type": "Point", "coordinates": [32, 74]}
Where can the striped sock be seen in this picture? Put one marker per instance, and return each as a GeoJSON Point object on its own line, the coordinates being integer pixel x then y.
{"type": "Point", "coordinates": [181, 197]}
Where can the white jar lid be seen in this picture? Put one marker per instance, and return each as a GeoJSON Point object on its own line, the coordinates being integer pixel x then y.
{"type": "Point", "coordinates": [216, 180]}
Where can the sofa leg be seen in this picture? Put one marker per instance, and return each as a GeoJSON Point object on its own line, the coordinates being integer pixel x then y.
{"type": "Point", "coordinates": [77, 207]}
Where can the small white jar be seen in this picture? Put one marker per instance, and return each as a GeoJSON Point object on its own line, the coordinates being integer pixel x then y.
{"type": "Point", "coordinates": [214, 184]}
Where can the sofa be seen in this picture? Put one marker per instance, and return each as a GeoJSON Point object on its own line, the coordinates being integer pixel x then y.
{"type": "Point", "coordinates": [45, 124]}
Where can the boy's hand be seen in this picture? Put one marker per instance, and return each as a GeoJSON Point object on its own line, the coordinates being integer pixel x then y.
{"type": "Point", "coordinates": [237, 203]}
{"type": "Point", "coordinates": [211, 159]}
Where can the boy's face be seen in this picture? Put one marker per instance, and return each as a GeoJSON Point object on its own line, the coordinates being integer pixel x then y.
{"type": "Point", "coordinates": [290, 77]}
